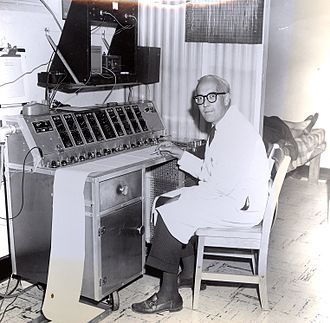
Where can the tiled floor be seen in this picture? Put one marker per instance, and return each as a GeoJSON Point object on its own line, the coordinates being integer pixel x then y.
{"type": "Point", "coordinates": [298, 274]}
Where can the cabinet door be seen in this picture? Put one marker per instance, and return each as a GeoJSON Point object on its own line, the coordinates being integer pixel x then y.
{"type": "Point", "coordinates": [121, 247]}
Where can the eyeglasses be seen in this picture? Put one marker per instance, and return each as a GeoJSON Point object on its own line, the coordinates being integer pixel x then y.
{"type": "Point", "coordinates": [211, 97]}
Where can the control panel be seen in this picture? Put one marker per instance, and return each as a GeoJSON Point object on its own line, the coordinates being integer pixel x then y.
{"type": "Point", "coordinates": [75, 135]}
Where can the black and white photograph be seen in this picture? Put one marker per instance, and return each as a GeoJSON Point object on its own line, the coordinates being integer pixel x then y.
{"type": "Point", "coordinates": [164, 161]}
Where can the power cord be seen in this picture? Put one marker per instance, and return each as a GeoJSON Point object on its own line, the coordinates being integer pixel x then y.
{"type": "Point", "coordinates": [35, 68]}
{"type": "Point", "coordinates": [22, 184]}
{"type": "Point", "coordinates": [52, 13]}
{"type": "Point", "coordinates": [8, 295]}
{"type": "Point", "coordinates": [114, 75]}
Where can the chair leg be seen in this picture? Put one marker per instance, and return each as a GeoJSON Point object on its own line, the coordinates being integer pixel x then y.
{"type": "Point", "coordinates": [262, 273]}
{"type": "Point", "coordinates": [263, 293]}
{"type": "Point", "coordinates": [198, 271]}
{"type": "Point", "coordinates": [253, 263]}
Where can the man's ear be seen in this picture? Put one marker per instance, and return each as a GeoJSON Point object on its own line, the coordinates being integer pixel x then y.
{"type": "Point", "coordinates": [227, 99]}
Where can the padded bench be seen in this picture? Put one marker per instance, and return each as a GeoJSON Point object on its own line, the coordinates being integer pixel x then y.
{"type": "Point", "coordinates": [310, 148]}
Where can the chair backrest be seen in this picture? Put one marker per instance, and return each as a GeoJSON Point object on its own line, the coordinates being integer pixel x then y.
{"type": "Point", "coordinates": [280, 162]}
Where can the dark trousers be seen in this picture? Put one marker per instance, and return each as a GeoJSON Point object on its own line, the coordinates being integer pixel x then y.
{"type": "Point", "coordinates": [166, 251]}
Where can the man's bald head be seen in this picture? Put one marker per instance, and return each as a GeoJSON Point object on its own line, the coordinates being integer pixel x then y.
{"type": "Point", "coordinates": [221, 84]}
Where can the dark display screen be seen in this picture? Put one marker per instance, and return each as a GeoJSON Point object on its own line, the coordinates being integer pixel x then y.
{"type": "Point", "coordinates": [62, 131]}
{"type": "Point", "coordinates": [131, 118]}
{"type": "Point", "coordinates": [73, 129]}
{"type": "Point", "coordinates": [94, 126]}
{"type": "Point", "coordinates": [140, 118]}
{"type": "Point", "coordinates": [84, 128]}
{"type": "Point", "coordinates": [124, 120]}
{"type": "Point", "coordinates": [115, 122]}
{"type": "Point", "coordinates": [42, 126]}
{"type": "Point", "coordinates": [105, 124]}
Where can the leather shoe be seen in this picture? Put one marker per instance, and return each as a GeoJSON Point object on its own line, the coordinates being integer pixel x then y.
{"type": "Point", "coordinates": [188, 283]}
{"type": "Point", "coordinates": [153, 305]}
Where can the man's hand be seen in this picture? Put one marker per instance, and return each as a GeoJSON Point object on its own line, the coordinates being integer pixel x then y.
{"type": "Point", "coordinates": [168, 147]}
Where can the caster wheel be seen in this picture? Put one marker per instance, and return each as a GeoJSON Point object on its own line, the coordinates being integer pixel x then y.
{"type": "Point", "coordinates": [114, 301]}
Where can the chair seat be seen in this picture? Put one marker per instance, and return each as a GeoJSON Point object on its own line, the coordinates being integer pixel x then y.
{"type": "Point", "coordinates": [246, 238]}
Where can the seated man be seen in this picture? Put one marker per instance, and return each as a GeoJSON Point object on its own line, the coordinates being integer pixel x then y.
{"type": "Point", "coordinates": [232, 191]}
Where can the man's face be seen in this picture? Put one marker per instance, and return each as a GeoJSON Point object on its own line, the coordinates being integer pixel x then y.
{"type": "Point", "coordinates": [211, 112]}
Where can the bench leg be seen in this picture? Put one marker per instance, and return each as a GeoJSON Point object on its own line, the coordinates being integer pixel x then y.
{"type": "Point", "coordinates": [314, 169]}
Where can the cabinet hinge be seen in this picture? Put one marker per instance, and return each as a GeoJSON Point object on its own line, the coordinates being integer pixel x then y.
{"type": "Point", "coordinates": [101, 231]}
{"type": "Point", "coordinates": [103, 281]}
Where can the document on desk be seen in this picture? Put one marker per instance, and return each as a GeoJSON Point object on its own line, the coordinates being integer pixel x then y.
{"type": "Point", "coordinates": [66, 263]}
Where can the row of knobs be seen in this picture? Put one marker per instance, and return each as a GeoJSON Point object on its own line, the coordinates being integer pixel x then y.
{"type": "Point", "coordinates": [100, 153]}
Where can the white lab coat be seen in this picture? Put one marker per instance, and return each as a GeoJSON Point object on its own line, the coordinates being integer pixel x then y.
{"type": "Point", "coordinates": [235, 168]}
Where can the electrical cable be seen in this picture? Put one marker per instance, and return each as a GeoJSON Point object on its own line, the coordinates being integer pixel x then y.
{"type": "Point", "coordinates": [123, 27]}
{"type": "Point", "coordinates": [2, 152]}
{"type": "Point", "coordinates": [132, 16]}
{"type": "Point", "coordinates": [55, 91]}
{"type": "Point", "coordinates": [94, 29]}
{"type": "Point", "coordinates": [35, 68]}
{"type": "Point", "coordinates": [22, 184]}
{"type": "Point", "coordinates": [6, 309]}
{"type": "Point", "coordinates": [9, 293]}
{"type": "Point", "coordinates": [52, 13]}
{"type": "Point", "coordinates": [110, 14]}
{"type": "Point", "coordinates": [77, 91]}
{"type": "Point", "coordinates": [127, 26]}
{"type": "Point", "coordinates": [47, 71]}
{"type": "Point", "coordinates": [5, 293]}
{"type": "Point", "coordinates": [130, 91]}
{"type": "Point", "coordinates": [108, 95]}
{"type": "Point", "coordinates": [15, 296]}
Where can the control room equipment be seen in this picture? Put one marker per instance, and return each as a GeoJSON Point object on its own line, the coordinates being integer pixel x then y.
{"type": "Point", "coordinates": [117, 201]}
{"type": "Point", "coordinates": [79, 65]}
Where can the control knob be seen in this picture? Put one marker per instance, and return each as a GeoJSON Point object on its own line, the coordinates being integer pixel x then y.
{"type": "Point", "coordinates": [115, 149]}
{"type": "Point", "coordinates": [53, 164]}
{"type": "Point", "coordinates": [73, 159]}
{"type": "Point", "coordinates": [106, 151]}
{"type": "Point", "coordinates": [91, 155]}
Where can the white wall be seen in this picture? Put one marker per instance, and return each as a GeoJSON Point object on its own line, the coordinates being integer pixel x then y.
{"type": "Point", "coordinates": [299, 62]}
{"type": "Point", "coordinates": [24, 27]}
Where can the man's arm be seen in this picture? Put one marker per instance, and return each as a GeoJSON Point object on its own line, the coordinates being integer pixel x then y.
{"type": "Point", "coordinates": [186, 161]}
{"type": "Point", "coordinates": [191, 164]}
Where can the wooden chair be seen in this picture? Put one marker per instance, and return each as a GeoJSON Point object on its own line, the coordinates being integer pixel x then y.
{"type": "Point", "coordinates": [252, 243]}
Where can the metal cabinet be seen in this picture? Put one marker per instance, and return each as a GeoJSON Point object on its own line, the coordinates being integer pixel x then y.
{"type": "Point", "coordinates": [114, 233]}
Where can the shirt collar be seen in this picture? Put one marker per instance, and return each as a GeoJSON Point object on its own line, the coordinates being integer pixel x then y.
{"type": "Point", "coordinates": [227, 115]}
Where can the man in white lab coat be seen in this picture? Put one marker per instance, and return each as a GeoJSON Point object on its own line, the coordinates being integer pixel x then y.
{"type": "Point", "coordinates": [232, 191]}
